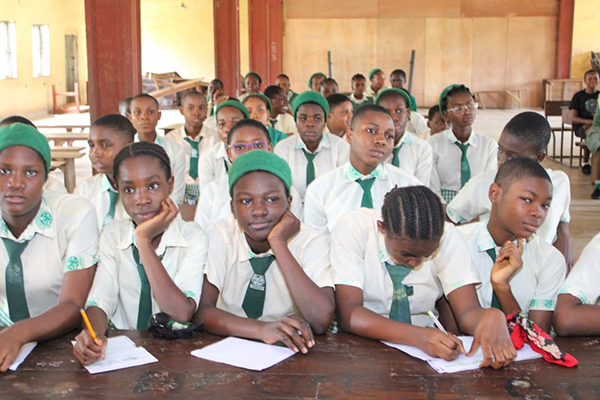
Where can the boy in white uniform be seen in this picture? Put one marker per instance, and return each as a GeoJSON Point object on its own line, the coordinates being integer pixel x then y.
{"type": "Point", "coordinates": [49, 246]}
{"type": "Point", "coordinates": [312, 152]}
{"type": "Point", "coordinates": [364, 180]}
{"type": "Point", "coordinates": [459, 153]}
{"type": "Point", "coordinates": [516, 275]}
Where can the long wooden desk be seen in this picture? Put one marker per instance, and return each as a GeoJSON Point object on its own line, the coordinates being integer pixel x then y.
{"type": "Point", "coordinates": [339, 366]}
{"type": "Point", "coordinates": [68, 155]}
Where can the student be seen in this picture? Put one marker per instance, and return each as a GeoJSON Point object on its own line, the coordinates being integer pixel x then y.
{"type": "Point", "coordinates": [398, 81]}
{"type": "Point", "coordinates": [436, 122]}
{"type": "Point", "coordinates": [526, 135]}
{"type": "Point", "coordinates": [377, 78]}
{"type": "Point", "coordinates": [281, 117]}
{"type": "Point", "coordinates": [577, 308]}
{"type": "Point", "coordinates": [16, 119]}
{"type": "Point", "coordinates": [215, 87]}
{"type": "Point", "coordinates": [267, 276]}
{"type": "Point", "coordinates": [391, 266]}
{"type": "Point", "coordinates": [108, 135]}
{"type": "Point", "coordinates": [151, 262]}
{"type": "Point", "coordinates": [364, 180]}
{"type": "Point", "coordinates": [358, 96]}
{"type": "Point", "coordinates": [49, 246]}
{"type": "Point", "coordinates": [194, 138]}
{"type": "Point", "coordinates": [259, 107]}
{"type": "Point", "coordinates": [410, 153]}
{"type": "Point", "coordinates": [144, 117]}
{"type": "Point", "coordinates": [459, 153]}
{"type": "Point", "coordinates": [252, 82]}
{"type": "Point", "coordinates": [592, 142]}
{"type": "Point", "coordinates": [340, 114]}
{"type": "Point", "coordinates": [518, 270]}
{"type": "Point", "coordinates": [328, 86]}
{"type": "Point", "coordinates": [215, 200]}
{"type": "Point", "coordinates": [214, 163]}
{"type": "Point", "coordinates": [314, 81]}
{"type": "Point", "coordinates": [125, 107]}
{"type": "Point", "coordinates": [283, 81]}
{"type": "Point", "coordinates": [582, 108]}
{"type": "Point", "coordinates": [312, 152]}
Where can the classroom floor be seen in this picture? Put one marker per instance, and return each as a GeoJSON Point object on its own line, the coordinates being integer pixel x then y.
{"type": "Point", "coordinates": [585, 212]}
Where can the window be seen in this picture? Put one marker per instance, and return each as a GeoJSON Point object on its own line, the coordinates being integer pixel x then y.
{"type": "Point", "coordinates": [40, 42]}
{"type": "Point", "coordinates": [8, 50]}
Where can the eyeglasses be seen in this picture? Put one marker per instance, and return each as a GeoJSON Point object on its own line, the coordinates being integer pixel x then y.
{"type": "Point", "coordinates": [460, 110]}
{"type": "Point", "coordinates": [240, 148]}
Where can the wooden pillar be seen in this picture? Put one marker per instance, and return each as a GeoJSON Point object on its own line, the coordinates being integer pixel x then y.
{"type": "Point", "coordinates": [113, 53]}
{"type": "Point", "coordinates": [265, 23]}
{"type": "Point", "coordinates": [564, 43]}
{"type": "Point", "coordinates": [227, 44]}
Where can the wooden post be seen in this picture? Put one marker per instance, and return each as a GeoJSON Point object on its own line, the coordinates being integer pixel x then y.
{"type": "Point", "coordinates": [265, 25]}
{"type": "Point", "coordinates": [564, 43]}
{"type": "Point", "coordinates": [226, 17]}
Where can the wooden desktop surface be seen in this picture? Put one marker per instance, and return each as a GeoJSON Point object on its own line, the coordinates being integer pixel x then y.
{"type": "Point", "coordinates": [340, 366]}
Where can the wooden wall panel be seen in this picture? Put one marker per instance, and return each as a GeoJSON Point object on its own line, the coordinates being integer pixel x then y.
{"type": "Point", "coordinates": [531, 55]}
{"type": "Point", "coordinates": [509, 8]}
{"type": "Point", "coordinates": [419, 9]}
{"type": "Point", "coordinates": [448, 55]}
{"type": "Point", "coordinates": [395, 40]}
{"type": "Point", "coordinates": [327, 9]}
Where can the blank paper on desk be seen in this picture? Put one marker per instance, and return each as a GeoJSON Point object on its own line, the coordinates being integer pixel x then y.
{"type": "Point", "coordinates": [244, 353]}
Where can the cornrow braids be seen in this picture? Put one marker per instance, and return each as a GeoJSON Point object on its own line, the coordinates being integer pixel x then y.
{"type": "Point", "coordinates": [140, 149]}
{"type": "Point", "coordinates": [414, 212]}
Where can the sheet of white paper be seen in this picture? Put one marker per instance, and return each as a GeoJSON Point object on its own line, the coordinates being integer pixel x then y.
{"type": "Point", "coordinates": [121, 353]}
{"type": "Point", "coordinates": [462, 363]}
{"type": "Point", "coordinates": [23, 353]}
{"type": "Point", "coordinates": [244, 353]}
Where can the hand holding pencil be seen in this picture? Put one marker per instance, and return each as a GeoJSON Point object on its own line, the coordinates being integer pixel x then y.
{"type": "Point", "coordinates": [89, 347]}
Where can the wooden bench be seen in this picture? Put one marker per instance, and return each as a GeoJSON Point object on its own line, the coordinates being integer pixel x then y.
{"type": "Point", "coordinates": [66, 134]}
{"type": "Point", "coordinates": [68, 156]}
{"type": "Point", "coordinates": [516, 94]}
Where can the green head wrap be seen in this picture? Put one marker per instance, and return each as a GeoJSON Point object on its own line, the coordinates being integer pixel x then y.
{"type": "Point", "coordinates": [255, 74]}
{"type": "Point", "coordinates": [257, 160]}
{"type": "Point", "coordinates": [26, 135]}
{"type": "Point", "coordinates": [373, 72]}
{"type": "Point", "coordinates": [445, 93]}
{"type": "Point", "coordinates": [401, 92]}
{"type": "Point", "coordinates": [313, 75]}
{"type": "Point", "coordinates": [234, 104]}
{"type": "Point", "coordinates": [311, 97]}
{"type": "Point", "coordinates": [263, 98]}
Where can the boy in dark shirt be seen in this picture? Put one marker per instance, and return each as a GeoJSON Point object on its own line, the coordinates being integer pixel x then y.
{"type": "Point", "coordinates": [582, 108]}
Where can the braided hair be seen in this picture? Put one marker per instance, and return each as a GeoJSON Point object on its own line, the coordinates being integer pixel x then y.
{"type": "Point", "coordinates": [454, 91]}
{"type": "Point", "coordinates": [414, 212]}
{"type": "Point", "coordinates": [142, 149]}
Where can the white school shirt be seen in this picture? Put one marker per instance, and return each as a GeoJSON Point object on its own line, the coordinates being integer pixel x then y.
{"type": "Point", "coordinates": [582, 281]}
{"type": "Point", "coordinates": [54, 184]}
{"type": "Point", "coordinates": [482, 155]}
{"type": "Point", "coordinates": [228, 268]}
{"type": "Point", "coordinates": [64, 238]}
{"type": "Point", "coordinates": [286, 124]}
{"type": "Point", "coordinates": [331, 153]}
{"type": "Point", "coordinates": [417, 124]}
{"type": "Point", "coordinates": [207, 138]}
{"type": "Point", "coordinates": [535, 286]}
{"type": "Point", "coordinates": [211, 164]}
{"type": "Point", "coordinates": [365, 99]}
{"type": "Point", "coordinates": [473, 201]}
{"type": "Point", "coordinates": [116, 289]}
{"type": "Point", "coordinates": [358, 257]}
{"type": "Point", "coordinates": [177, 159]}
{"type": "Point", "coordinates": [337, 193]}
{"type": "Point", "coordinates": [215, 203]}
{"type": "Point", "coordinates": [95, 190]}
{"type": "Point", "coordinates": [416, 157]}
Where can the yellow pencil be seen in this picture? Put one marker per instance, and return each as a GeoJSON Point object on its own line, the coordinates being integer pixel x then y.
{"type": "Point", "coordinates": [89, 326]}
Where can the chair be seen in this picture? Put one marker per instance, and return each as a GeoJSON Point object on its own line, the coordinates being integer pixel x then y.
{"type": "Point", "coordinates": [567, 121]}
{"type": "Point", "coordinates": [553, 108]}
{"type": "Point", "coordinates": [74, 94]}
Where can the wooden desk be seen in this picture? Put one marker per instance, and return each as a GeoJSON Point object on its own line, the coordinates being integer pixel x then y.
{"type": "Point", "coordinates": [339, 366]}
{"type": "Point", "coordinates": [68, 155]}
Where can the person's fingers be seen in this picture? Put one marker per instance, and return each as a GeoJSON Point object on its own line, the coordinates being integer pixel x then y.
{"type": "Point", "coordinates": [474, 347]}
{"type": "Point", "coordinates": [285, 339]}
{"type": "Point", "coordinates": [499, 358]}
{"type": "Point", "coordinates": [520, 245]}
{"type": "Point", "coordinates": [292, 333]}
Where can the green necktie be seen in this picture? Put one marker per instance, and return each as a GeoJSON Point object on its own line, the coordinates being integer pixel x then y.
{"type": "Point", "coordinates": [495, 302]}
{"type": "Point", "coordinates": [310, 166]}
{"type": "Point", "coordinates": [366, 185]}
{"type": "Point", "coordinates": [110, 215]}
{"type": "Point", "coordinates": [395, 158]}
{"type": "Point", "coordinates": [193, 156]}
{"type": "Point", "coordinates": [15, 287]}
{"type": "Point", "coordinates": [145, 305]}
{"type": "Point", "coordinates": [400, 310]}
{"type": "Point", "coordinates": [226, 166]}
{"type": "Point", "coordinates": [254, 300]}
{"type": "Point", "coordinates": [465, 170]}
{"type": "Point", "coordinates": [273, 122]}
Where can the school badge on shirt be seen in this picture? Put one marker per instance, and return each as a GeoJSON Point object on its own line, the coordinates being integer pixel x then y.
{"type": "Point", "coordinates": [257, 282]}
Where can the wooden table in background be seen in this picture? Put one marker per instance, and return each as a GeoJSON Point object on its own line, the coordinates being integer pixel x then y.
{"type": "Point", "coordinates": [68, 155]}
{"type": "Point", "coordinates": [339, 366]}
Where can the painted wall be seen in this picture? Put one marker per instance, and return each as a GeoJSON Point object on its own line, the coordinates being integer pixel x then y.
{"type": "Point", "coordinates": [586, 32]}
{"type": "Point", "coordinates": [29, 96]}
